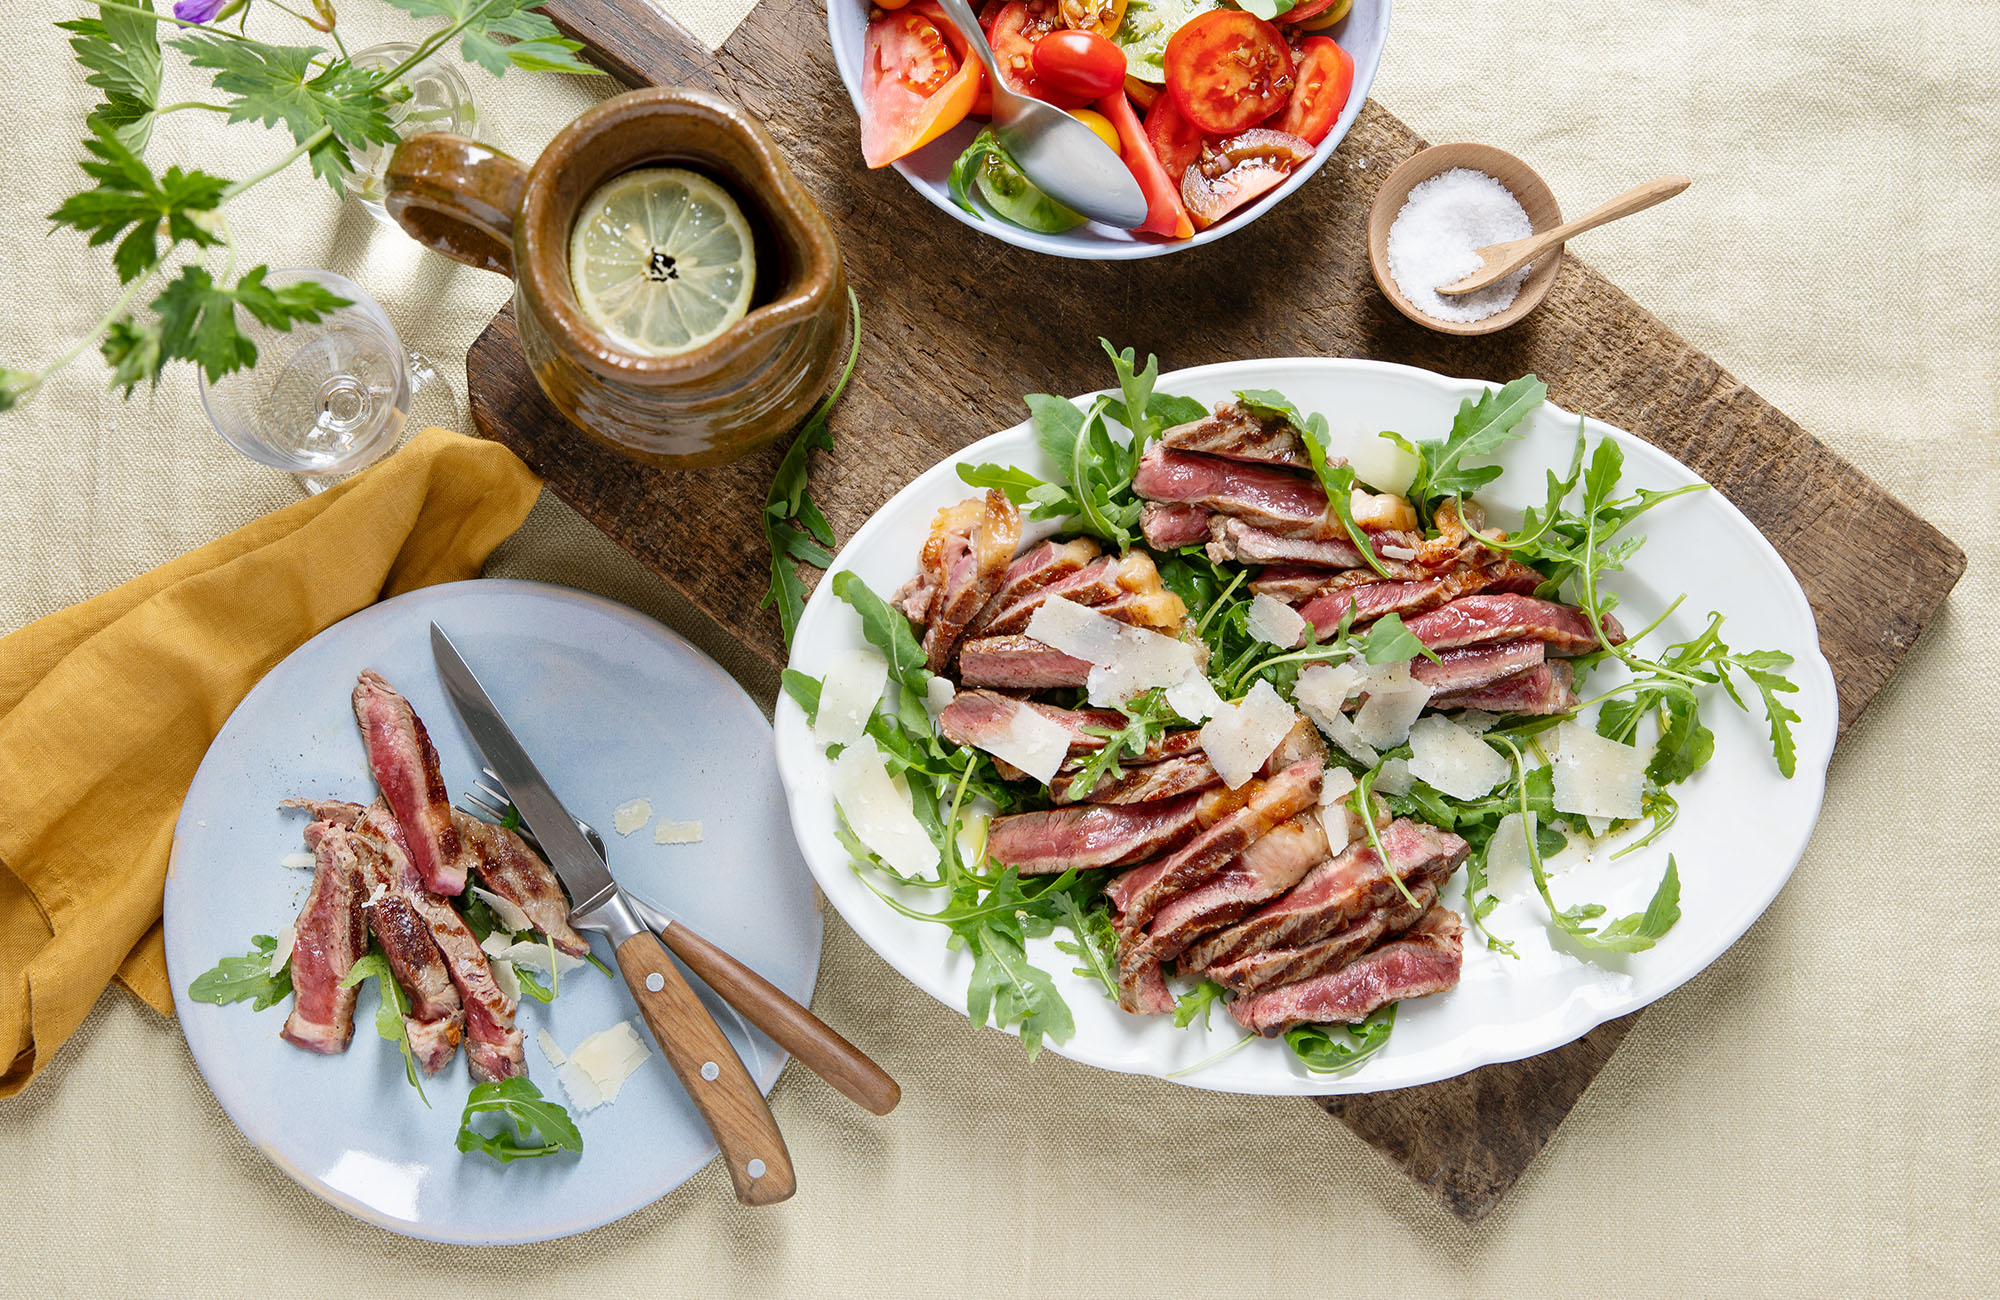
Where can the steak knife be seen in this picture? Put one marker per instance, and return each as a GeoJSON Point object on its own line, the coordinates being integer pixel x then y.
{"type": "Point", "coordinates": [760, 1167]}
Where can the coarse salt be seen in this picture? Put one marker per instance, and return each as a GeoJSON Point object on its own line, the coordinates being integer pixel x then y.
{"type": "Point", "coordinates": [1436, 240]}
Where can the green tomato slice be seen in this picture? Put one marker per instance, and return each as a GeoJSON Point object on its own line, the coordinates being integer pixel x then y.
{"type": "Point", "coordinates": [1008, 192]}
{"type": "Point", "coordinates": [1148, 26]}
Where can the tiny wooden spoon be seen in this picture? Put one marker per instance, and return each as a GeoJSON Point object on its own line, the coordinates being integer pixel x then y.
{"type": "Point", "coordinates": [1505, 259]}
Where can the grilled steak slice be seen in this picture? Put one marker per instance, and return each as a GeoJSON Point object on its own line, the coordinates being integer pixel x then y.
{"type": "Point", "coordinates": [1142, 989]}
{"type": "Point", "coordinates": [1425, 960]}
{"type": "Point", "coordinates": [1088, 584]}
{"type": "Point", "coordinates": [493, 1044]}
{"type": "Point", "coordinates": [513, 871]}
{"type": "Point", "coordinates": [1262, 970]}
{"type": "Point", "coordinates": [974, 717]}
{"type": "Point", "coordinates": [1274, 499]}
{"type": "Point", "coordinates": [329, 936]}
{"type": "Point", "coordinates": [1242, 434]}
{"type": "Point", "coordinates": [1335, 893]}
{"type": "Point", "coordinates": [1140, 892]}
{"type": "Point", "coordinates": [1102, 835]}
{"type": "Point", "coordinates": [1502, 616]}
{"type": "Point", "coordinates": [405, 764]}
{"type": "Point", "coordinates": [1018, 663]}
{"type": "Point", "coordinates": [968, 550]}
{"type": "Point", "coordinates": [1290, 583]}
{"type": "Point", "coordinates": [1542, 689]}
{"type": "Point", "coordinates": [1126, 588]}
{"type": "Point", "coordinates": [1141, 782]}
{"type": "Point", "coordinates": [1471, 667]}
{"type": "Point", "coordinates": [1271, 865]}
{"type": "Point", "coordinates": [1170, 526]}
{"type": "Point", "coordinates": [336, 812]}
{"type": "Point", "coordinates": [1370, 600]}
{"type": "Point", "coordinates": [1248, 543]}
{"type": "Point", "coordinates": [1031, 571]}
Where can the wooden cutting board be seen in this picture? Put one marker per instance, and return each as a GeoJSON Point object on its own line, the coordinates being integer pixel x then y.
{"type": "Point", "coordinates": [956, 326]}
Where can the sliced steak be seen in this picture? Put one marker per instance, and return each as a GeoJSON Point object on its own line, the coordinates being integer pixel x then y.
{"type": "Point", "coordinates": [1142, 988]}
{"type": "Point", "coordinates": [1470, 667]}
{"type": "Point", "coordinates": [1262, 970]}
{"type": "Point", "coordinates": [405, 764]}
{"type": "Point", "coordinates": [1290, 583]}
{"type": "Point", "coordinates": [1542, 689]}
{"type": "Point", "coordinates": [1238, 540]}
{"type": "Point", "coordinates": [1170, 526]}
{"type": "Point", "coordinates": [1503, 616]}
{"type": "Point", "coordinates": [516, 873]}
{"type": "Point", "coordinates": [1103, 835]}
{"type": "Point", "coordinates": [1018, 663]}
{"type": "Point", "coordinates": [1425, 960]}
{"type": "Point", "coordinates": [1271, 865]}
{"type": "Point", "coordinates": [969, 548]}
{"type": "Point", "coordinates": [1335, 893]}
{"type": "Point", "coordinates": [1278, 500]}
{"type": "Point", "coordinates": [330, 935]}
{"type": "Point", "coordinates": [1138, 782]}
{"type": "Point", "coordinates": [976, 717]}
{"type": "Point", "coordinates": [1140, 892]}
{"type": "Point", "coordinates": [1370, 601]}
{"type": "Point", "coordinates": [1238, 433]}
{"type": "Point", "coordinates": [1031, 571]}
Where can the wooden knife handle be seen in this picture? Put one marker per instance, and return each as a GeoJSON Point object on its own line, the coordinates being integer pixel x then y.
{"type": "Point", "coordinates": [712, 1073]}
{"type": "Point", "coordinates": [790, 1025]}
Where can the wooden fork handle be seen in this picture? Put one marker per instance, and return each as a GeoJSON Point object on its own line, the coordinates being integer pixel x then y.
{"type": "Point", "coordinates": [723, 1091]}
{"type": "Point", "coordinates": [790, 1025]}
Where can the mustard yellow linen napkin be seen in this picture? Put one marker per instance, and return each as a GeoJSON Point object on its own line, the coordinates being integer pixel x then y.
{"type": "Point", "coordinates": [107, 708]}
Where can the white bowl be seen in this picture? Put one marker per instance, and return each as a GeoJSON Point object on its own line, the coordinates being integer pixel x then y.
{"type": "Point", "coordinates": [1362, 34]}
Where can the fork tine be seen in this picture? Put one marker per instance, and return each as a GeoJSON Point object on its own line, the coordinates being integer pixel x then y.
{"type": "Point", "coordinates": [484, 806]}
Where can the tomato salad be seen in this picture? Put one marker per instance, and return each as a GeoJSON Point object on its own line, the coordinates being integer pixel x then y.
{"type": "Point", "coordinates": [1211, 106]}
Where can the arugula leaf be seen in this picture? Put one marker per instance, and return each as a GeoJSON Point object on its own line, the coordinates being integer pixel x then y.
{"type": "Point", "coordinates": [532, 1125]}
{"type": "Point", "coordinates": [1017, 483]}
{"type": "Point", "coordinates": [793, 523]}
{"type": "Point", "coordinates": [1481, 428]}
{"type": "Point", "coordinates": [1388, 640]}
{"type": "Point", "coordinates": [537, 45]}
{"type": "Point", "coordinates": [887, 630]}
{"type": "Point", "coordinates": [276, 84]}
{"type": "Point", "coordinates": [1337, 481]}
{"type": "Point", "coordinates": [1197, 1002]}
{"type": "Point", "coordinates": [803, 689]}
{"type": "Point", "coordinates": [1760, 667]}
{"type": "Point", "coordinates": [1008, 989]}
{"type": "Point", "coordinates": [122, 51]}
{"type": "Point", "coordinates": [198, 317]}
{"type": "Point", "coordinates": [1321, 1052]}
{"type": "Point", "coordinates": [1096, 942]}
{"type": "Point", "coordinates": [130, 201]}
{"type": "Point", "coordinates": [245, 979]}
{"type": "Point", "coordinates": [1058, 423]}
{"type": "Point", "coordinates": [390, 1010]}
{"type": "Point", "coordinates": [1147, 715]}
{"type": "Point", "coordinates": [532, 985]}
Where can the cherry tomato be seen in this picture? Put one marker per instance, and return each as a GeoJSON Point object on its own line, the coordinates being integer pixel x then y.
{"type": "Point", "coordinates": [1232, 172]}
{"type": "Point", "coordinates": [1228, 70]}
{"type": "Point", "coordinates": [1175, 140]}
{"type": "Point", "coordinates": [1016, 31]}
{"type": "Point", "coordinates": [1100, 16]}
{"type": "Point", "coordinates": [1083, 64]}
{"type": "Point", "coordinates": [1317, 15]}
{"type": "Point", "coordinates": [916, 85]}
{"type": "Point", "coordinates": [1325, 76]}
{"type": "Point", "coordinates": [1165, 213]}
{"type": "Point", "coordinates": [1101, 124]}
{"type": "Point", "coordinates": [1143, 94]}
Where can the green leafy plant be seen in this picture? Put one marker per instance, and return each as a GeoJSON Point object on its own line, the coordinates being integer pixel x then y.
{"type": "Point", "coordinates": [246, 979]}
{"type": "Point", "coordinates": [327, 105]}
{"type": "Point", "coordinates": [794, 525]}
{"type": "Point", "coordinates": [390, 1012]}
{"type": "Point", "coordinates": [531, 1125]}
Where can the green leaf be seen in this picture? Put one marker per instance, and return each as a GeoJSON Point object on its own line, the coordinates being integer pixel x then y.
{"type": "Point", "coordinates": [984, 145]}
{"type": "Point", "coordinates": [887, 630]}
{"type": "Point", "coordinates": [134, 352]}
{"type": "Point", "coordinates": [1481, 428]}
{"type": "Point", "coordinates": [1387, 640]}
{"type": "Point", "coordinates": [803, 689]}
{"type": "Point", "coordinates": [122, 51]}
{"type": "Point", "coordinates": [532, 985]}
{"type": "Point", "coordinates": [1009, 990]}
{"type": "Point", "coordinates": [1336, 1049]}
{"type": "Point", "coordinates": [1196, 1003]}
{"type": "Point", "coordinates": [1096, 942]}
{"type": "Point", "coordinates": [793, 524]}
{"type": "Point", "coordinates": [283, 84]}
{"type": "Point", "coordinates": [1641, 930]}
{"type": "Point", "coordinates": [391, 1011]}
{"type": "Point", "coordinates": [245, 979]}
{"type": "Point", "coordinates": [536, 45]}
{"type": "Point", "coordinates": [532, 1126]}
{"type": "Point", "coordinates": [1776, 711]}
{"type": "Point", "coordinates": [130, 201]}
{"type": "Point", "coordinates": [1058, 424]}
{"type": "Point", "coordinates": [1337, 480]}
{"type": "Point", "coordinates": [198, 317]}
{"type": "Point", "coordinates": [1017, 483]}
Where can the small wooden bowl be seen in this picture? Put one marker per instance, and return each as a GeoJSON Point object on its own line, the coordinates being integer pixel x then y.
{"type": "Point", "coordinates": [1520, 179]}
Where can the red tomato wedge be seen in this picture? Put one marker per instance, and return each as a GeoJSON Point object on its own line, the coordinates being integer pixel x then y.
{"type": "Point", "coordinates": [1176, 141]}
{"type": "Point", "coordinates": [1228, 71]}
{"type": "Point", "coordinates": [1232, 172]}
{"type": "Point", "coordinates": [931, 9]}
{"type": "Point", "coordinates": [915, 86]}
{"type": "Point", "coordinates": [1165, 214]}
{"type": "Point", "coordinates": [1325, 76]}
{"type": "Point", "coordinates": [1079, 63]}
{"type": "Point", "coordinates": [1018, 29]}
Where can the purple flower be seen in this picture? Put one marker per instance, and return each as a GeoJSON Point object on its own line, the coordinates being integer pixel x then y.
{"type": "Point", "coordinates": [198, 11]}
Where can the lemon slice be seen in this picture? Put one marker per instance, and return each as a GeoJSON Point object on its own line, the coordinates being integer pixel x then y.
{"type": "Point", "coordinates": [662, 260]}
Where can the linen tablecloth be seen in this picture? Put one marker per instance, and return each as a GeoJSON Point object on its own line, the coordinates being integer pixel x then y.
{"type": "Point", "coordinates": [1815, 1115]}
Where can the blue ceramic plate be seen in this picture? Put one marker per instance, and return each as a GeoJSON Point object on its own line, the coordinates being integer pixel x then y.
{"type": "Point", "coordinates": [613, 706]}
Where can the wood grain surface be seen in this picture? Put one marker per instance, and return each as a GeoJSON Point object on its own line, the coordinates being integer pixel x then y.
{"type": "Point", "coordinates": [956, 326]}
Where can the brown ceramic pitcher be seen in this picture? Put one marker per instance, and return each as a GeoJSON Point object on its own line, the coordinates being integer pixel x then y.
{"type": "Point", "coordinates": [752, 382]}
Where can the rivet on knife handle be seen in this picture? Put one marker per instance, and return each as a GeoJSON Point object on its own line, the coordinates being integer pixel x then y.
{"type": "Point", "coordinates": [759, 1165]}
{"type": "Point", "coordinates": [790, 1025]}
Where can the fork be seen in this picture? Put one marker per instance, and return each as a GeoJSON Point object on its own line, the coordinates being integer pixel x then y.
{"type": "Point", "coordinates": [762, 1003]}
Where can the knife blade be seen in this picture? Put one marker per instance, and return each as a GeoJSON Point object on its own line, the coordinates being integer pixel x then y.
{"type": "Point", "coordinates": [702, 1057]}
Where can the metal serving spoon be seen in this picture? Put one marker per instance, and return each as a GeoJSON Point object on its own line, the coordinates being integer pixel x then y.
{"type": "Point", "coordinates": [1062, 156]}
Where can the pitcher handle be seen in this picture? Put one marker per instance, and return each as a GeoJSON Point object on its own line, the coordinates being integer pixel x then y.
{"type": "Point", "coordinates": [457, 197]}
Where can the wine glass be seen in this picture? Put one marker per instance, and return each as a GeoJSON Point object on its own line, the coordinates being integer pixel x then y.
{"type": "Point", "coordinates": [439, 101]}
{"type": "Point", "coordinates": [327, 398]}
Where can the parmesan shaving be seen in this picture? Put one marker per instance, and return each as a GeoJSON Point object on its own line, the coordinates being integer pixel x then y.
{"type": "Point", "coordinates": [631, 815]}
{"type": "Point", "coordinates": [1323, 689]}
{"type": "Point", "coordinates": [1193, 697]}
{"type": "Point", "coordinates": [1394, 701]}
{"type": "Point", "coordinates": [1337, 820]}
{"type": "Point", "coordinates": [549, 1048]}
{"type": "Point", "coordinates": [677, 832]}
{"type": "Point", "coordinates": [1395, 777]}
{"type": "Point", "coordinates": [512, 917]}
{"type": "Point", "coordinates": [1030, 741]}
{"type": "Point", "coordinates": [1596, 776]}
{"type": "Point", "coordinates": [1454, 760]}
{"type": "Point", "coordinates": [597, 1068]}
{"type": "Point", "coordinates": [1377, 459]}
{"type": "Point", "coordinates": [1477, 721]}
{"type": "Point", "coordinates": [1241, 736]}
{"type": "Point", "coordinates": [1397, 553]}
{"type": "Point", "coordinates": [879, 812]}
{"type": "Point", "coordinates": [534, 954]}
{"type": "Point", "coordinates": [297, 861]}
{"type": "Point", "coordinates": [938, 694]}
{"type": "Point", "coordinates": [505, 980]}
{"type": "Point", "coordinates": [1274, 622]}
{"type": "Point", "coordinates": [1336, 785]}
{"type": "Point", "coordinates": [1508, 875]}
{"type": "Point", "coordinates": [853, 684]}
{"type": "Point", "coordinates": [288, 939]}
{"type": "Point", "coordinates": [1124, 660]}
